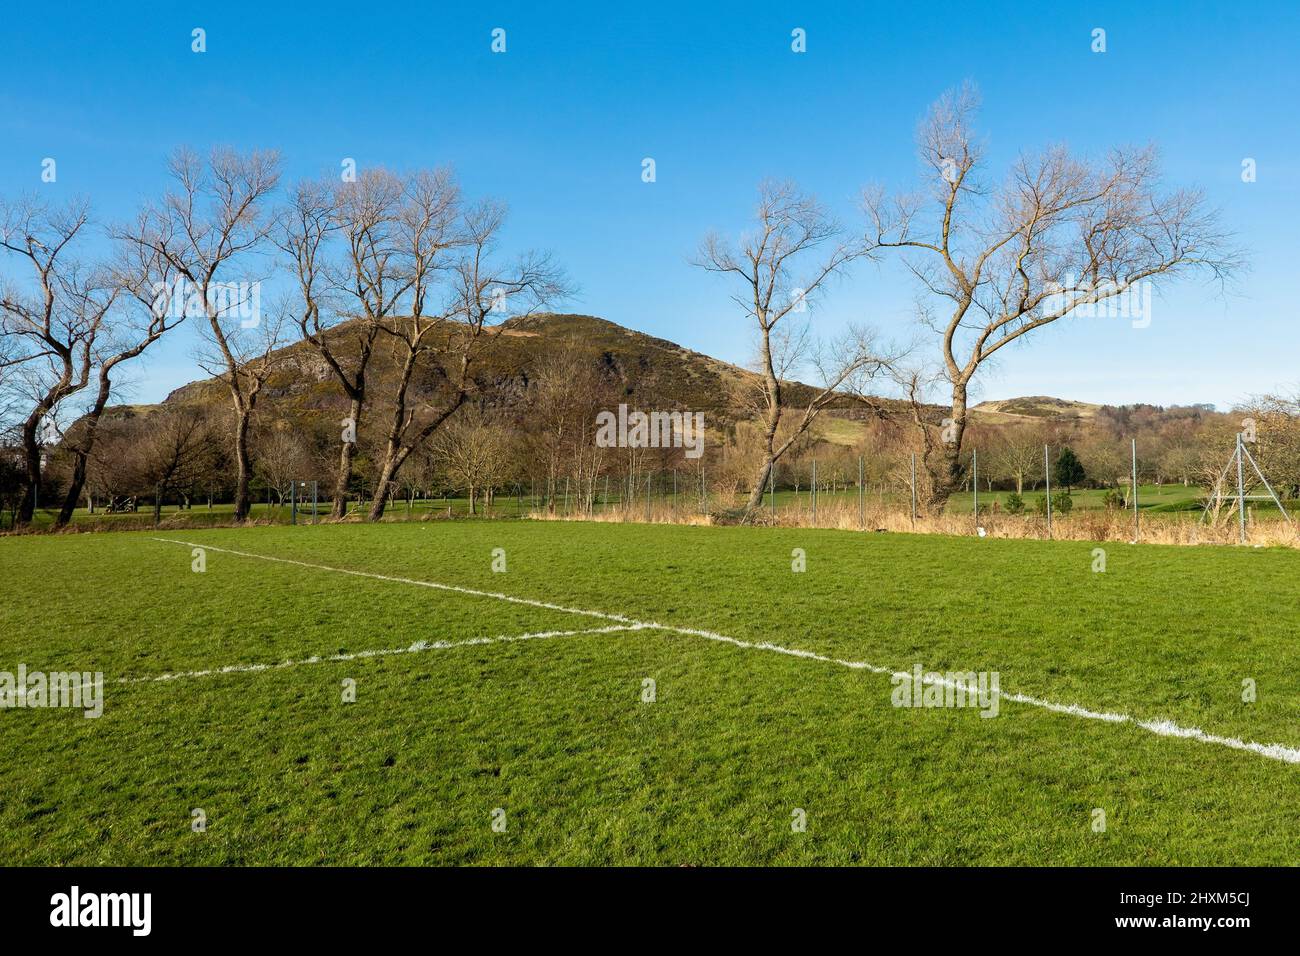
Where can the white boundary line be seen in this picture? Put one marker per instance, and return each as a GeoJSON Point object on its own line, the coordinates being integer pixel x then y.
{"type": "Point", "coordinates": [416, 648]}
{"type": "Point", "coordinates": [1162, 728]}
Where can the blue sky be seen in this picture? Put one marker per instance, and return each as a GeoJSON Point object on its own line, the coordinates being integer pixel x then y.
{"type": "Point", "coordinates": [558, 125]}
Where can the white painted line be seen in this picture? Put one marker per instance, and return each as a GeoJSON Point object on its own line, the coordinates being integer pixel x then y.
{"type": "Point", "coordinates": [1162, 728]}
{"type": "Point", "coordinates": [424, 584]}
{"type": "Point", "coordinates": [417, 648]}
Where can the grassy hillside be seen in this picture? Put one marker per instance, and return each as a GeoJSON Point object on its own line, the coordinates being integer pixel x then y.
{"type": "Point", "coordinates": [1033, 407]}
{"type": "Point", "coordinates": [651, 372]}
{"type": "Point", "coordinates": [648, 369]}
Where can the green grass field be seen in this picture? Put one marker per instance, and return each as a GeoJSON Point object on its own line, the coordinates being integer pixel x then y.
{"type": "Point", "coordinates": [554, 732]}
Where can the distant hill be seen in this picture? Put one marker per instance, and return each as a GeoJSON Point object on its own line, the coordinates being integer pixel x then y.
{"type": "Point", "coordinates": [1008, 410]}
{"type": "Point", "coordinates": [649, 369]}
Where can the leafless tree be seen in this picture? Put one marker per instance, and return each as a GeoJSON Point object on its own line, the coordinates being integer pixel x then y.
{"type": "Point", "coordinates": [566, 394]}
{"type": "Point", "coordinates": [792, 229]}
{"type": "Point", "coordinates": [137, 276]}
{"type": "Point", "coordinates": [53, 323]}
{"type": "Point", "coordinates": [1179, 458]}
{"type": "Point", "coordinates": [112, 468]}
{"type": "Point", "coordinates": [480, 292]}
{"type": "Point", "coordinates": [998, 262]}
{"type": "Point", "coordinates": [1276, 434]}
{"type": "Point", "coordinates": [13, 355]}
{"type": "Point", "coordinates": [208, 230]}
{"type": "Point", "coordinates": [281, 456]}
{"type": "Point", "coordinates": [173, 452]}
{"type": "Point", "coordinates": [475, 453]}
{"type": "Point", "coordinates": [1018, 454]}
{"type": "Point", "coordinates": [362, 284]}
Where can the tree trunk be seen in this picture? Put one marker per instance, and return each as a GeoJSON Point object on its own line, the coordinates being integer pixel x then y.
{"type": "Point", "coordinates": [760, 487]}
{"type": "Point", "coordinates": [31, 467]}
{"type": "Point", "coordinates": [770, 426]}
{"type": "Point", "coordinates": [343, 477]}
{"type": "Point", "coordinates": [243, 503]}
{"type": "Point", "coordinates": [74, 489]}
{"type": "Point", "coordinates": [380, 502]}
{"type": "Point", "coordinates": [946, 476]}
{"type": "Point", "coordinates": [83, 448]}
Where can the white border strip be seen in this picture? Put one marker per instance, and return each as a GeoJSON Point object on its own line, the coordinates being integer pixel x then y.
{"type": "Point", "coordinates": [1162, 728]}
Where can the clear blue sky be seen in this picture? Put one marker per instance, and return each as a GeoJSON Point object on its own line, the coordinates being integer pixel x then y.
{"type": "Point", "coordinates": [559, 124]}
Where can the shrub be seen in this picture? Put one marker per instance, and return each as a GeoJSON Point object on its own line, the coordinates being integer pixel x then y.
{"type": "Point", "coordinates": [1014, 504]}
{"type": "Point", "coordinates": [1062, 502]}
{"type": "Point", "coordinates": [1040, 505]}
{"type": "Point", "coordinates": [1113, 499]}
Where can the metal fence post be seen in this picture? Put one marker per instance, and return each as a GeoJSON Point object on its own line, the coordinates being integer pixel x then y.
{"type": "Point", "coordinates": [1047, 479]}
{"type": "Point", "coordinates": [1241, 494]}
{"type": "Point", "coordinates": [1137, 522]}
{"type": "Point", "coordinates": [975, 482]}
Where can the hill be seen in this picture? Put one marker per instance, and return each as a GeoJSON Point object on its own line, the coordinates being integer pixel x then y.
{"type": "Point", "coordinates": [1009, 410]}
{"type": "Point", "coordinates": [649, 369]}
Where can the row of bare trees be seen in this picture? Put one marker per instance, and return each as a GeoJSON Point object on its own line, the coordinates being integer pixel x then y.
{"type": "Point", "coordinates": [398, 264]}
{"type": "Point", "coordinates": [406, 261]}
{"type": "Point", "coordinates": [995, 260]}
{"type": "Point", "coordinates": [403, 268]}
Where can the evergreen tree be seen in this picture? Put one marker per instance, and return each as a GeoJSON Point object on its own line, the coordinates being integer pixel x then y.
{"type": "Point", "coordinates": [1068, 470]}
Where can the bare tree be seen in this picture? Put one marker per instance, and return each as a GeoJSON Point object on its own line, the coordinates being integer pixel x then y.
{"type": "Point", "coordinates": [282, 457]}
{"type": "Point", "coordinates": [1018, 454]}
{"type": "Point", "coordinates": [1107, 462]}
{"type": "Point", "coordinates": [1059, 234]}
{"type": "Point", "coordinates": [54, 324]}
{"type": "Point", "coordinates": [363, 289]}
{"type": "Point", "coordinates": [448, 343]}
{"type": "Point", "coordinates": [791, 229]}
{"type": "Point", "coordinates": [13, 409]}
{"type": "Point", "coordinates": [173, 452]}
{"type": "Point", "coordinates": [566, 393]}
{"type": "Point", "coordinates": [1276, 436]}
{"type": "Point", "coordinates": [141, 274]}
{"type": "Point", "coordinates": [206, 231]}
{"type": "Point", "coordinates": [475, 453]}
{"type": "Point", "coordinates": [112, 470]}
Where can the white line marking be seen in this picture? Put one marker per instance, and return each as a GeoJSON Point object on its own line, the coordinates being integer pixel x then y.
{"type": "Point", "coordinates": [1162, 728]}
{"type": "Point", "coordinates": [416, 648]}
{"type": "Point", "coordinates": [424, 584]}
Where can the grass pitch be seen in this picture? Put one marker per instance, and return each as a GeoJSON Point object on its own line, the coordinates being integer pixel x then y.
{"type": "Point", "coordinates": [551, 737]}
